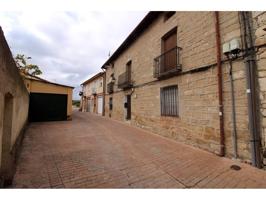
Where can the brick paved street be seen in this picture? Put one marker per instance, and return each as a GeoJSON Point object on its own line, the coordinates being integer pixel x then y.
{"type": "Point", "coordinates": [96, 152]}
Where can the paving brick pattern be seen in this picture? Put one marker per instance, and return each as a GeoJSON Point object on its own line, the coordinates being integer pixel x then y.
{"type": "Point", "coordinates": [96, 152]}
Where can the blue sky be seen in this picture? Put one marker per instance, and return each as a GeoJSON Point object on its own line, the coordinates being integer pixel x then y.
{"type": "Point", "coordinates": [68, 46]}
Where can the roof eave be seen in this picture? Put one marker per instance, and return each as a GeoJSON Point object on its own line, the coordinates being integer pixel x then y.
{"type": "Point", "coordinates": [145, 22]}
{"type": "Point", "coordinates": [48, 82]}
{"type": "Point", "coordinates": [93, 78]}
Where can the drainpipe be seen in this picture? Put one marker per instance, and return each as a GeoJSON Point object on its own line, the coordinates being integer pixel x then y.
{"type": "Point", "coordinates": [104, 90]}
{"type": "Point", "coordinates": [250, 66]}
{"type": "Point", "coordinates": [234, 136]}
{"type": "Point", "coordinates": [220, 87]}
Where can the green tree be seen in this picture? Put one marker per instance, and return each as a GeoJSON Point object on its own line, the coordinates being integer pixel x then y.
{"type": "Point", "coordinates": [25, 67]}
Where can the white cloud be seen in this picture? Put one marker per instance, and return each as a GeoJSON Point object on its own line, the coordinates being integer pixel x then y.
{"type": "Point", "coordinates": [68, 46]}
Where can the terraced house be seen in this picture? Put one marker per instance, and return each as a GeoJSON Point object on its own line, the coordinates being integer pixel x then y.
{"type": "Point", "coordinates": [92, 95]}
{"type": "Point", "coordinates": [195, 77]}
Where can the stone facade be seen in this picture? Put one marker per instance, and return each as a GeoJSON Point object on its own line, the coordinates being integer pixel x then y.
{"type": "Point", "coordinates": [92, 99]}
{"type": "Point", "coordinates": [14, 102]}
{"type": "Point", "coordinates": [260, 41]}
{"type": "Point", "coordinates": [198, 120]}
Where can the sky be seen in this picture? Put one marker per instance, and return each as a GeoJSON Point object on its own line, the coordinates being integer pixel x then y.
{"type": "Point", "coordinates": [69, 47]}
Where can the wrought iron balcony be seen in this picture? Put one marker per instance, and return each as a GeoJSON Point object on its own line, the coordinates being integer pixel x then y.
{"type": "Point", "coordinates": [124, 80]}
{"type": "Point", "coordinates": [168, 64]}
{"type": "Point", "coordinates": [110, 87]}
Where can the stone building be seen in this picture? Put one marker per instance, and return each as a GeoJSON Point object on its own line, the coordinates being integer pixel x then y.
{"type": "Point", "coordinates": [259, 23]}
{"type": "Point", "coordinates": [192, 77]}
{"type": "Point", "coordinates": [92, 97]}
{"type": "Point", "coordinates": [14, 102]}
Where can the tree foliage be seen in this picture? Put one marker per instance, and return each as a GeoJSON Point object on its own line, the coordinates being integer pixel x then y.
{"type": "Point", "coordinates": [25, 67]}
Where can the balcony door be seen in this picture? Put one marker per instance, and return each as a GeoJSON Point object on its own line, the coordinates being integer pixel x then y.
{"type": "Point", "coordinates": [169, 42]}
{"type": "Point", "coordinates": [128, 71]}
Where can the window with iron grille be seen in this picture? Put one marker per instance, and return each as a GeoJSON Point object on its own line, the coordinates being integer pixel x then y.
{"type": "Point", "coordinates": [169, 101]}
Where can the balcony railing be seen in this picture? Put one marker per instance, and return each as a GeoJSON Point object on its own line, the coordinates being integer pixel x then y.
{"type": "Point", "coordinates": [168, 64]}
{"type": "Point", "coordinates": [110, 87]}
{"type": "Point", "coordinates": [124, 80]}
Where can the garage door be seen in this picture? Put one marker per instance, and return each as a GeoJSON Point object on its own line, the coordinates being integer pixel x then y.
{"type": "Point", "coordinates": [100, 105]}
{"type": "Point", "coordinates": [47, 107]}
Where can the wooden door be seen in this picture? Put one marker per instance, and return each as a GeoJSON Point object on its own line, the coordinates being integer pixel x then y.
{"type": "Point", "coordinates": [94, 104]}
{"type": "Point", "coordinates": [169, 51]}
{"type": "Point", "coordinates": [128, 117]}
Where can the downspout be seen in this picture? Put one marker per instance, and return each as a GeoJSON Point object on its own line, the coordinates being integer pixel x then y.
{"type": "Point", "coordinates": [234, 135]}
{"type": "Point", "coordinates": [220, 87]}
{"type": "Point", "coordinates": [104, 89]}
{"type": "Point", "coordinates": [250, 65]}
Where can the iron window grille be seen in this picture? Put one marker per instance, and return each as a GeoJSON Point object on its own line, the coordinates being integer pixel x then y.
{"type": "Point", "coordinates": [169, 101]}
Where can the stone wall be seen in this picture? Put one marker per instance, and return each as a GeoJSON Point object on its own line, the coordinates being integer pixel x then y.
{"type": "Point", "coordinates": [14, 102]}
{"type": "Point", "coordinates": [260, 40]}
{"type": "Point", "coordinates": [198, 120]}
{"type": "Point", "coordinates": [96, 84]}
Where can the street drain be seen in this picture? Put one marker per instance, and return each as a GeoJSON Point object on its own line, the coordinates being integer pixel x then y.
{"type": "Point", "coordinates": [235, 167]}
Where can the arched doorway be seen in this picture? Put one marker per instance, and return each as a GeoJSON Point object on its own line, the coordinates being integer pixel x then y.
{"type": "Point", "coordinates": [6, 158]}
